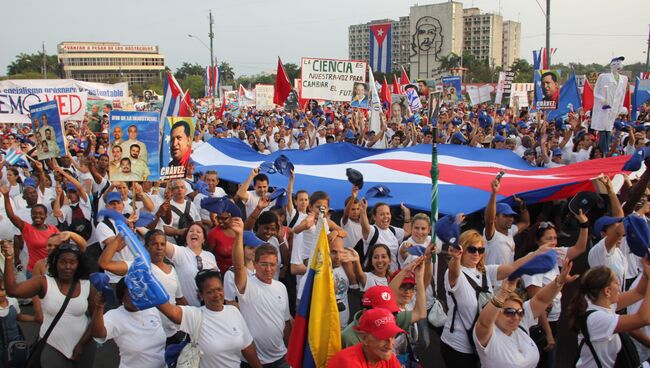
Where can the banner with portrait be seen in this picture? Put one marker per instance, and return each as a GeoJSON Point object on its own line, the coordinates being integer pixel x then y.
{"type": "Point", "coordinates": [331, 79]}
{"type": "Point", "coordinates": [359, 95]}
{"type": "Point", "coordinates": [176, 147]}
{"type": "Point", "coordinates": [48, 130]}
{"type": "Point", "coordinates": [134, 146]}
{"type": "Point", "coordinates": [451, 90]}
{"type": "Point", "coordinates": [550, 89]}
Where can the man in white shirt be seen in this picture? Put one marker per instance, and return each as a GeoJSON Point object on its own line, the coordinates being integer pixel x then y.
{"type": "Point", "coordinates": [211, 178]}
{"type": "Point", "coordinates": [500, 228]}
{"type": "Point", "coordinates": [263, 301]}
{"type": "Point", "coordinates": [251, 198]}
{"type": "Point", "coordinates": [180, 207]}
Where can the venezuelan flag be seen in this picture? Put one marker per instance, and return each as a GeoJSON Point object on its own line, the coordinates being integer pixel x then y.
{"type": "Point", "coordinates": [316, 334]}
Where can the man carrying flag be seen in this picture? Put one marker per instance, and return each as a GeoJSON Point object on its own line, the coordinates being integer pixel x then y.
{"type": "Point", "coordinates": [316, 335]}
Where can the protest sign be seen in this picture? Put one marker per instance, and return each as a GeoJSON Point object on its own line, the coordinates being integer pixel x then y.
{"type": "Point", "coordinates": [411, 91]}
{"type": "Point", "coordinates": [71, 105]}
{"type": "Point", "coordinates": [55, 86]}
{"type": "Point", "coordinates": [134, 144]}
{"type": "Point", "coordinates": [499, 89]}
{"type": "Point", "coordinates": [550, 87]}
{"type": "Point", "coordinates": [451, 87]}
{"type": "Point", "coordinates": [48, 130]}
{"type": "Point", "coordinates": [264, 97]}
{"type": "Point", "coordinates": [176, 147]}
{"type": "Point", "coordinates": [479, 94]}
{"type": "Point", "coordinates": [330, 79]}
{"type": "Point", "coordinates": [399, 105]}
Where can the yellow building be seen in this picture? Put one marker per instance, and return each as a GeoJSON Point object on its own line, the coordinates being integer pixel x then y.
{"type": "Point", "coordinates": [110, 62]}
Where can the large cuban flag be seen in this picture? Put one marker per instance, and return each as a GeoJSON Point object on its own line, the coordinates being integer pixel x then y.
{"type": "Point", "coordinates": [380, 39]}
{"type": "Point", "coordinates": [464, 182]}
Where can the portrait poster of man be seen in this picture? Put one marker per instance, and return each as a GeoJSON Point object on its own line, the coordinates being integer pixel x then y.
{"type": "Point", "coordinates": [176, 147]}
{"type": "Point", "coordinates": [359, 95]}
{"type": "Point", "coordinates": [451, 89]}
{"type": "Point", "coordinates": [133, 146]}
{"type": "Point", "coordinates": [291, 104]}
{"type": "Point", "coordinates": [47, 128]}
{"type": "Point", "coordinates": [434, 107]}
{"type": "Point", "coordinates": [550, 87]}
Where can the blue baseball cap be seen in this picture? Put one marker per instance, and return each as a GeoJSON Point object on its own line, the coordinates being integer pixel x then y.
{"type": "Point", "coordinates": [378, 191]}
{"type": "Point", "coordinates": [280, 196]}
{"type": "Point", "coordinates": [498, 138]}
{"type": "Point", "coordinates": [637, 234]}
{"type": "Point", "coordinates": [505, 209]}
{"type": "Point", "coordinates": [448, 230]}
{"type": "Point", "coordinates": [144, 219]}
{"type": "Point", "coordinates": [100, 281]}
{"type": "Point", "coordinates": [416, 250]}
{"type": "Point", "coordinates": [70, 187]}
{"type": "Point", "coordinates": [251, 240]}
{"type": "Point", "coordinates": [460, 137]}
{"type": "Point", "coordinates": [540, 264]}
{"type": "Point", "coordinates": [29, 182]}
{"type": "Point", "coordinates": [113, 197]}
{"type": "Point", "coordinates": [602, 223]}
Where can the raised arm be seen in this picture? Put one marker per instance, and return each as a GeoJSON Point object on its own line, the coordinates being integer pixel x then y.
{"type": "Point", "coordinates": [490, 212]}
{"type": "Point", "coordinates": [407, 220]}
{"type": "Point", "coordinates": [173, 312]}
{"type": "Point", "coordinates": [82, 191]}
{"type": "Point", "coordinates": [485, 323]}
{"type": "Point", "coordinates": [453, 272]}
{"type": "Point", "coordinates": [617, 210]}
{"type": "Point", "coordinates": [581, 245]}
{"type": "Point", "coordinates": [97, 327]}
{"type": "Point", "coordinates": [356, 267]}
{"type": "Point", "coordinates": [35, 286]}
{"type": "Point", "coordinates": [76, 238]}
{"type": "Point", "coordinates": [106, 261]}
{"type": "Point", "coordinates": [524, 220]}
{"type": "Point", "coordinates": [349, 205]}
{"type": "Point", "coordinates": [242, 191]}
{"type": "Point", "coordinates": [545, 295]}
{"type": "Point", "coordinates": [238, 262]}
{"type": "Point", "coordinates": [505, 270]}
{"type": "Point", "coordinates": [365, 224]}
{"type": "Point", "coordinates": [17, 221]}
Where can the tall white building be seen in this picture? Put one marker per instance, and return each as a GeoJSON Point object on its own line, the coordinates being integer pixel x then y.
{"type": "Point", "coordinates": [483, 36]}
{"type": "Point", "coordinates": [359, 42]}
{"type": "Point", "coordinates": [511, 42]}
{"type": "Point", "coordinates": [431, 32]}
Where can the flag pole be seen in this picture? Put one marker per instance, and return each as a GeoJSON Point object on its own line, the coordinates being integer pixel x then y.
{"type": "Point", "coordinates": [434, 110]}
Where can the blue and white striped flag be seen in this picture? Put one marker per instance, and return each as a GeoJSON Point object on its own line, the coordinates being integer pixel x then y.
{"type": "Point", "coordinates": [14, 155]}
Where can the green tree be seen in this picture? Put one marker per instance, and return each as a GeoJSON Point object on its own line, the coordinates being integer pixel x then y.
{"type": "Point", "coordinates": [26, 63]}
{"type": "Point", "coordinates": [523, 71]}
{"type": "Point", "coordinates": [188, 69]}
{"type": "Point", "coordinates": [292, 70]}
{"type": "Point", "coordinates": [195, 84]}
{"type": "Point", "coordinates": [227, 74]}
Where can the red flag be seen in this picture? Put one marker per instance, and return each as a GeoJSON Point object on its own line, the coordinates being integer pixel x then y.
{"type": "Point", "coordinates": [186, 109]}
{"type": "Point", "coordinates": [396, 87]}
{"type": "Point", "coordinates": [405, 78]}
{"type": "Point", "coordinates": [385, 92]}
{"type": "Point", "coordinates": [223, 108]}
{"type": "Point", "coordinates": [587, 97]}
{"type": "Point", "coordinates": [282, 85]}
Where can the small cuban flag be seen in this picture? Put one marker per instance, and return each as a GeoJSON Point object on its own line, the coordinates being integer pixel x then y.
{"type": "Point", "coordinates": [14, 155]}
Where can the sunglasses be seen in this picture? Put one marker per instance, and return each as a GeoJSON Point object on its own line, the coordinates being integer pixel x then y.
{"type": "Point", "coordinates": [546, 225]}
{"type": "Point", "coordinates": [208, 271]}
{"type": "Point", "coordinates": [473, 250]}
{"type": "Point", "coordinates": [512, 312]}
{"type": "Point", "coordinates": [70, 247]}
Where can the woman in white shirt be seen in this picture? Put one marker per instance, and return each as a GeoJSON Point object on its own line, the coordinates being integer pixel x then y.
{"type": "Point", "coordinates": [139, 334]}
{"type": "Point", "coordinates": [222, 332]}
{"type": "Point", "coordinates": [382, 232]}
{"type": "Point", "coordinates": [464, 280]}
{"type": "Point", "coordinates": [501, 334]}
{"type": "Point", "coordinates": [377, 268]}
{"type": "Point", "coordinates": [67, 345]}
{"type": "Point", "coordinates": [593, 310]}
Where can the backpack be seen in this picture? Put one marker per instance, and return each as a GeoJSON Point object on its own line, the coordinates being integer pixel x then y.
{"type": "Point", "coordinates": [94, 250]}
{"type": "Point", "coordinates": [184, 221]}
{"type": "Point", "coordinates": [627, 357]}
{"type": "Point", "coordinates": [361, 250]}
{"type": "Point", "coordinates": [78, 223]}
{"type": "Point", "coordinates": [483, 295]}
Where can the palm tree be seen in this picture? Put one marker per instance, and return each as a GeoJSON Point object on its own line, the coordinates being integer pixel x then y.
{"type": "Point", "coordinates": [227, 73]}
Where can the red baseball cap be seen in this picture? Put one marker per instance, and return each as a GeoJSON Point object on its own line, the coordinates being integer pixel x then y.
{"type": "Point", "coordinates": [409, 279]}
{"type": "Point", "coordinates": [378, 322]}
{"type": "Point", "coordinates": [380, 297]}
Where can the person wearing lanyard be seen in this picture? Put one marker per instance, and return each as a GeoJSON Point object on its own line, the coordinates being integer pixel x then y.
{"type": "Point", "coordinates": [377, 329]}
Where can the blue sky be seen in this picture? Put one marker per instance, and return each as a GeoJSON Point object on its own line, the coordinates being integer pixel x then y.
{"type": "Point", "coordinates": [250, 34]}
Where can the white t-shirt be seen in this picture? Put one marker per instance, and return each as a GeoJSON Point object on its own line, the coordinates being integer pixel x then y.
{"type": "Point", "coordinates": [4, 311]}
{"type": "Point", "coordinates": [601, 325]}
{"type": "Point", "coordinates": [614, 259]}
{"type": "Point", "coordinates": [103, 232]}
{"type": "Point", "coordinates": [205, 215]}
{"type": "Point", "coordinates": [644, 352]}
{"type": "Point", "coordinates": [223, 335]}
{"type": "Point", "coordinates": [501, 248]}
{"type": "Point", "coordinates": [341, 286]}
{"type": "Point", "coordinates": [229, 287]}
{"type": "Point", "coordinates": [253, 200]}
{"type": "Point", "coordinates": [353, 228]}
{"type": "Point", "coordinates": [138, 335]}
{"type": "Point", "coordinates": [543, 279]}
{"type": "Point", "coordinates": [517, 350]}
{"type": "Point", "coordinates": [467, 307]}
{"type": "Point", "coordinates": [266, 309]}
{"type": "Point", "coordinates": [173, 287]}
{"type": "Point", "coordinates": [374, 280]}
{"type": "Point", "coordinates": [194, 214]}
{"type": "Point", "coordinates": [634, 266]}
{"type": "Point", "coordinates": [391, 240]}
{"type": "Point", "coordinates": [187, 267]}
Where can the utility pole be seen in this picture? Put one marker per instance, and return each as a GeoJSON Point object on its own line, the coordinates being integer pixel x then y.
{"type": "Point", "coordinates": [548, 33]}
{"type": "Point", "coordinates": [211, 35]}
{"type": "Point", "coordinates": [647, 53]}
{"type": "Point", "coordinates": [44, 62]}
